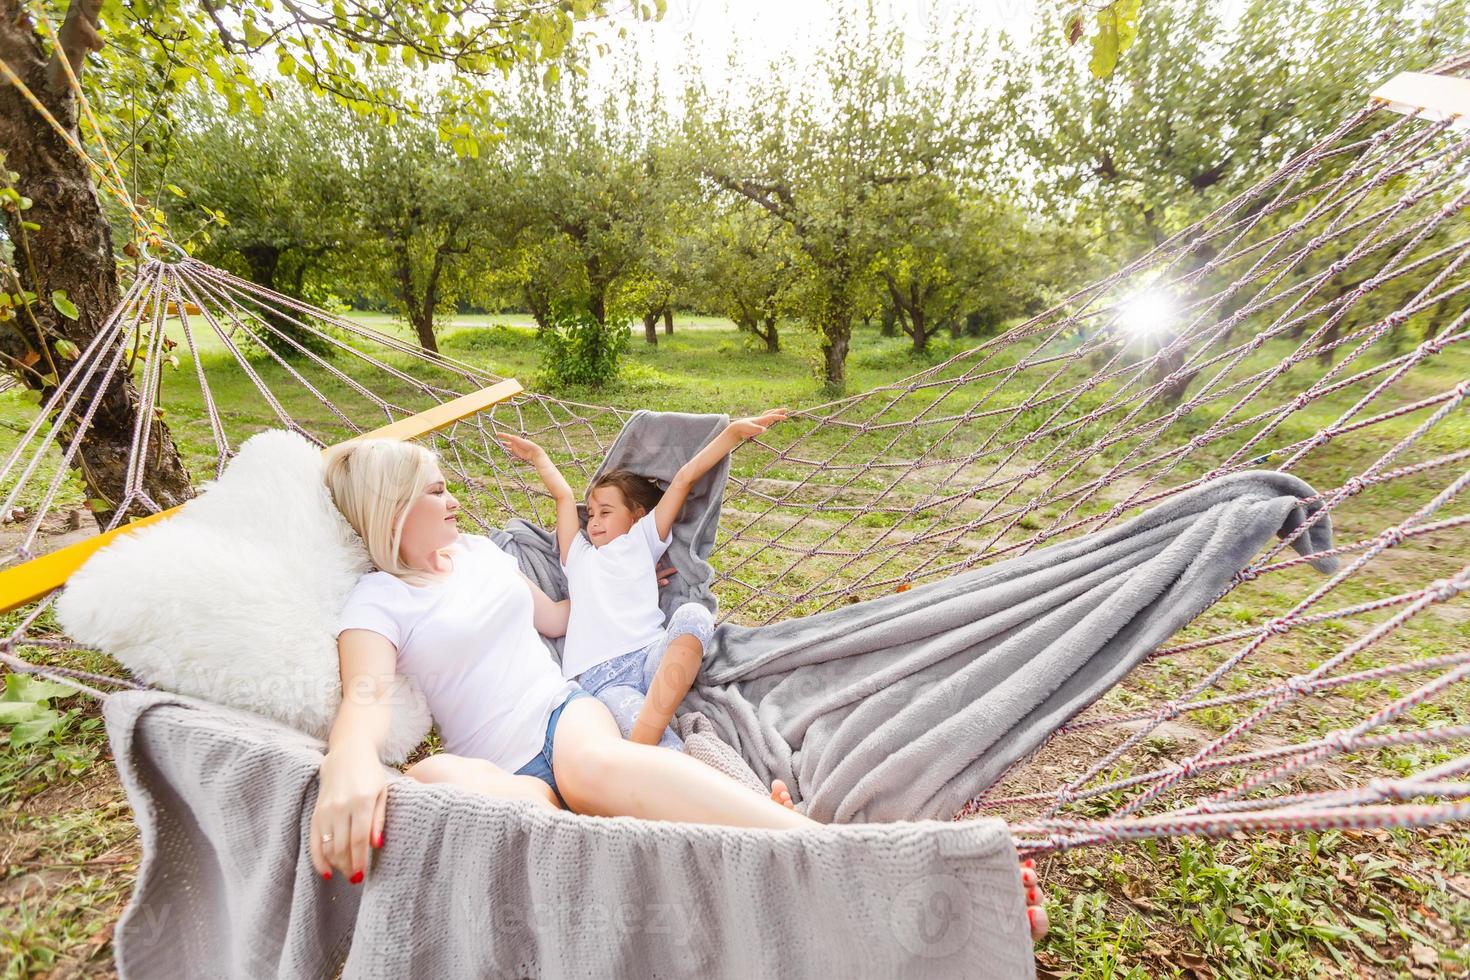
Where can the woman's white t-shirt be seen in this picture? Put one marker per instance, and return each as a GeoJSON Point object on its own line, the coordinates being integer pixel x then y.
{"type": "Point", "coordinates": [614, 595]}
{"type": "Point", "coordinates": [470, 644]}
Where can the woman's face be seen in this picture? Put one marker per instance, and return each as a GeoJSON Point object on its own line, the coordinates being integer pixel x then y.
{"type": "Point", "coordinates": [609, 516]}
{"type": "Point", "coordinates": [431, 522]}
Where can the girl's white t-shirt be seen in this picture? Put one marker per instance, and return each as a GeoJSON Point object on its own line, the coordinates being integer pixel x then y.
{"type": "Point", "coordinates": [614, 596]}
{"type": "Point", "coordinates": [470, 644]}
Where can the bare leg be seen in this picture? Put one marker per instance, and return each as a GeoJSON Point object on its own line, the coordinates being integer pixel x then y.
{"type": "Point", "coordinates": [673, 679]}
{"type": "Point", "coordinates": [599, 773]}
{"type": "Point", "coordinates": [483, 777]}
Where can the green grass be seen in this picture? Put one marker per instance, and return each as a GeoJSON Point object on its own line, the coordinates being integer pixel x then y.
{"type": "Point", "coordinates": [1315, 904]}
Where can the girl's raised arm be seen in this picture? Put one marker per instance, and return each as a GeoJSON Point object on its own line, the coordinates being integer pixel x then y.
{"type": "Point", "coordinates": [568, 524]}
{"type": "Point", "coordinates": [667, 511]}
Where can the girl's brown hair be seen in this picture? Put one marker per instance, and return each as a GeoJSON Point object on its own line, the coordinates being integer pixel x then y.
{"type": "Point", "coordinates": [637, 491]}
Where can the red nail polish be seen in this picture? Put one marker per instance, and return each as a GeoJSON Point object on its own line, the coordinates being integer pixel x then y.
{"type": "Point", "coordinates": [326, 876]}
{"type": "Point", "coordinates": [378, 841]}
{"type": "Point", "coordinates": [356, 878]}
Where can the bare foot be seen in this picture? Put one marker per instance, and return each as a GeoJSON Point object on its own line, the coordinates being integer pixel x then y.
{"type": "Point", "coordinates": [781, 794]}
{"type": "Point", "coordinates": [1035, 911]}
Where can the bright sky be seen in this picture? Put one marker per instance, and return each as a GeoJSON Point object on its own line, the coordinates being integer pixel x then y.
{"type": "Point", "coordinates": [756, 31]}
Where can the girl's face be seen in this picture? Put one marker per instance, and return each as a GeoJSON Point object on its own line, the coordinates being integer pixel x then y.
{"type": "Point", "coordinates": [609, 516]}
{"type": "Point", "coordinates": [431, 523]}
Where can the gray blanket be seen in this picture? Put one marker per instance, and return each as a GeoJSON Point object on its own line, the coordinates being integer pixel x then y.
{"type": "Point", "coordinates": [893, 709]}
{"type": "Point", "coordinates": [904, 707]}
{"type": "Point", "coordinates": [469, 886]}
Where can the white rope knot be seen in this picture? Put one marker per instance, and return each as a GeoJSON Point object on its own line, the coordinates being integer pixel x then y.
{"type": "Point", "coordinates": [1392, 537]}
{"type": "Point", "coordinates": [1354, 486]}
{"type": "Point", "coordinates": [1300, 686]}
{"type": "Point", "coordinates": [1033, 473]}
{"type": "Point", "coordinates": [1036, 539]}
{"type": "Point", "coordinates": [1278, 626]}
{"type": "Point", "coordinates": [1199, 442]}
{"type": "Point", "coordinates": [1380, 788]}
{"type": "Point", "coordinates": [1462, 389]}
{"type": "Point", "coordinates": [1065, 796]}
{"type": "Point", "coordinates": [1168, 711]}
{"type": "Point", "coordinates": [1444, 589]}
{"type": "Point", "coordinates": [1300, 402]}
{"type": "Point", "coordinates": [1338, 741]}
{"type": "Point", "coordinates": [1338, 267]}
{"type": "Point", "coordinates": [1247, 575]}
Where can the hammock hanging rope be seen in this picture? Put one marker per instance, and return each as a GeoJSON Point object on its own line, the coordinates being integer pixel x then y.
{"type": "Point", "coordinates": [1290, 350]}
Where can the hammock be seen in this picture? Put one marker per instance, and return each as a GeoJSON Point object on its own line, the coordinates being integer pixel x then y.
{"type": "Point", "coordinates": [1295, 702]}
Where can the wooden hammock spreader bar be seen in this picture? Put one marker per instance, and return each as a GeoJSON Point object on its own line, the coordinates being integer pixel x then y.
{"type": "Point", "coordinates": [1434, 97]}
{"type": "Point", "coordinates": [29, 581]}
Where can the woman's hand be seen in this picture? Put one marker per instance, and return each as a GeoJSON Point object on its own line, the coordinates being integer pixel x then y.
{"type": "Point", "coordinates": [522, 448]}
{"type": "Point", "coordinates": [1036, 916]}
{"type": "Point", "coordinates": [749, 428]}
{"type": "Point", "coordinates": [664, 573]}
{"type": "Point", "coordinates": [351, 804]}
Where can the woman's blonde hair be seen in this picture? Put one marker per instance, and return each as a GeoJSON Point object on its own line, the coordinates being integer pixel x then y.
{"type": "Point", "coordinates": [373, 482]}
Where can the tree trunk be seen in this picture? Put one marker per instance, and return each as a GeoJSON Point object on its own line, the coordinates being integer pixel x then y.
{"type": "Point", "coordinates": [72, 251]}
{"type": "Point", "coordinates": [263, 260]}
{"type": "Point", "coordinates": [668, 320]}
{"type": "Point", "coordinates": [1174, 391]}
{"type": "Point", "coordinates": [953, 323]}
{"type": "Point", "coordinates": [910, 314]}
{"type": "Point", "coordinates": [419, 313]}
{"type": "Point", "coordinates": [423, 327]}
{"type": "Point", "coordinates": [265, 267]}
{"type": "Point", "coordinates": [918, 329]}
{"type": "Point", "coordinates": [771, 335]}
{"type": "Point", "coordinates": [889, 326]}
{"type": "Point", "coordinates": [538, 305]}
{"type": "Point", "coordinates": [836, 327]}
{"type": "Point", "coordinates": [973, 323]}
{"type": "Point", "coordinates": [597, 304]}
{"type": "Point", "coordinates": [650, 327]}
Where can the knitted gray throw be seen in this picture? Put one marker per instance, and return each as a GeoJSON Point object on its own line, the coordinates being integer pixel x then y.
{"type": "Point", "coordinates": [896, 709]}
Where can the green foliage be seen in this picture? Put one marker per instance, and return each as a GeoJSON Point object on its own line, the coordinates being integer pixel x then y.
{"type": "Point", "coordinates": [26, 707]}
{"type": "Point", "coordinates": [821, 152]}
{"type": "Point", "coordinates": [1206, 104]}
{"type": "Point", "coordinates": [578, 349]}
{"type": "Point", "coordinates": [1117, 26]}
{"type": "Point", "coordinates": [590, 196]}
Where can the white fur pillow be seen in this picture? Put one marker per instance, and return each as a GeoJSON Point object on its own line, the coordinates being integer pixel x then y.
{"type": "Point", "coordinates": [235, 599]}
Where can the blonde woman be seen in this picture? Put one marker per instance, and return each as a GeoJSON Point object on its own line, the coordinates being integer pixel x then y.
{"type": "Point", "coordinates": [454, 612]}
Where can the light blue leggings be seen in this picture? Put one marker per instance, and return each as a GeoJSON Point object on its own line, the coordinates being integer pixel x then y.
{"type": "Point", "coordinates": [622, 682]}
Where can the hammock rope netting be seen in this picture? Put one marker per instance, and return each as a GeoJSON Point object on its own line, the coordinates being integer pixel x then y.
{"type": "Point", "coordinates": [1318, 326]}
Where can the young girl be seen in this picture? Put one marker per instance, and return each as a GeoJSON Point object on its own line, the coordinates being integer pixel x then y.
{"type": "Point", "coordinates": [617, 645]}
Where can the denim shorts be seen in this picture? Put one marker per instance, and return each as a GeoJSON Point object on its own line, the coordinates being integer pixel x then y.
{"type": "Point", "coordinates": [540, 766]}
